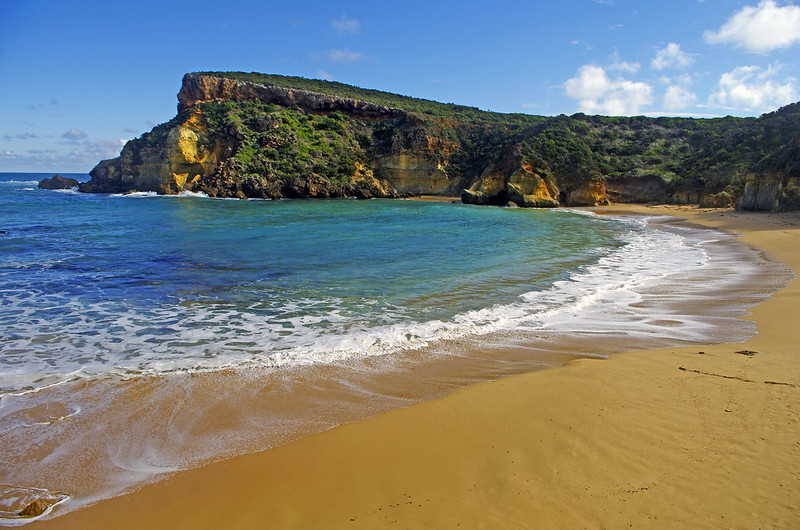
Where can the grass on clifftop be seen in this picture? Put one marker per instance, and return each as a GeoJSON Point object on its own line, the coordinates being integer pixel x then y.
{"type": "Point", "coordinates": [378, 97]}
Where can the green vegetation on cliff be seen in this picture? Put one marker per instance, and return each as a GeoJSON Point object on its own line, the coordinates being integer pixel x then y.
{"type": "Point", "coordinates": [282, 143]}
{"type": "Point", "coordinates": [378, 97]}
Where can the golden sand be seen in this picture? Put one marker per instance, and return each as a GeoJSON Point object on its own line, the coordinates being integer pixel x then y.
{"type": "Point", "coordinates": [686, 437]}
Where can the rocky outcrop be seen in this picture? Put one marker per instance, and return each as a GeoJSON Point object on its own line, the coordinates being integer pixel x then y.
{"type": "Point", "coordinates": [57, 182]}
{"type": "Point", "coordinates": [722, 199]}
{"type": "Point", "coordinates": [416, 162]}
{"type": "Point", "coordinates": [774, 183]}
{"type": "Point", "coordinates": [174, 159]}
{"type": "Point", "coordinates": [594, 193]}
{"type": "Point", "coordinates": [775, 193]}
{"type": "Point", "coordinates": [513, 181]}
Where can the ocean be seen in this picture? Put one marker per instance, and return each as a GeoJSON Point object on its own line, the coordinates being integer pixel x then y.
{"type": "Point", "coordinates": [143, 334]}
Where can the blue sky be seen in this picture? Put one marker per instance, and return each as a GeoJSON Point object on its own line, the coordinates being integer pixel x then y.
{"type": "Point", "coordinates": [79, 78]}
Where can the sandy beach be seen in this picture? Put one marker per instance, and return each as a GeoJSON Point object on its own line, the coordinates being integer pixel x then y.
{"type": "Point", "coordinates": [699, 436]}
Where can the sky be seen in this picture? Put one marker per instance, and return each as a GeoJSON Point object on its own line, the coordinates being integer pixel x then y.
{"type": "Point", "coordinates": [80, 78]}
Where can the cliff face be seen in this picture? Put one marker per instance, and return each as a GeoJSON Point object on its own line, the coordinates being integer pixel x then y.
{"type": "Point", "coordinates": [774, 183]}
{"type": "Point", "coordinates": [175, 159]}
{"type": "Point", "coordinates": [200, 89]}
{"type": "Point", "coordinates": [777, 193]}
{"type": "Point", "coordinates": [255, 135]}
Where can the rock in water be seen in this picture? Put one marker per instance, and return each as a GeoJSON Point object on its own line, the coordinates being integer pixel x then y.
{"type": "Point", "coordinates": [36, 508]}
{"type": "Point", "coordinates": [57, 182]}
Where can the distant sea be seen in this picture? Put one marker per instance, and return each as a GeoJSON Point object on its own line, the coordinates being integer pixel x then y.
{"type": "Point", "coordinates": [127, 322]}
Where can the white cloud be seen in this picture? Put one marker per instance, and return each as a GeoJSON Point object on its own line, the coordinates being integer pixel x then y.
{"type": "Point", "coordinates": [346, 26]}
{"type": "Point", "coordinates": [671, 56]}
{"type": "Point", "coordinates": [752, 88]}
{"type": "Point", "coordinates": [344, 56]}
{"type": "Point", "coordinates": [677, 98]}
{"type": "Point", "coordinates": [597, 93]}
{"type": "Point", "coordinates": [323, 74]}
{"type": "Point", "coordinates": [760, 29]}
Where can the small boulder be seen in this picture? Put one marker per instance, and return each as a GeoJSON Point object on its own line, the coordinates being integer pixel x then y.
{"type": "Point", "coordinates": [36, 508]}
{"type": "Point", "coordinates": [58, 182]}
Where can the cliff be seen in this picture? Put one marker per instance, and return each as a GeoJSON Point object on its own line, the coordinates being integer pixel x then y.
{"type": "Point", "coordinates": [197, 89]}
{"type": "Point", "coordinates": [255, 135]}
{"type": "Point", "coordinates": [774, 183]}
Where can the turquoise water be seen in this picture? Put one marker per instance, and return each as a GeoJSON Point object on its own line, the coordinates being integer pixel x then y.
{"type": "Point", "coordinates": [146, 283]}
{"type": "Point", "coordinates": [140, 334]}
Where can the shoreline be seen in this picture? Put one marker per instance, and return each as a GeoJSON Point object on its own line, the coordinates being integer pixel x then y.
{"type": "Point", "coordinates": [596, 442]}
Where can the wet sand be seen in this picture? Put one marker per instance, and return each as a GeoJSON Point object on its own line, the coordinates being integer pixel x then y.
{"type": "Point", "coordinates": [684, 436]}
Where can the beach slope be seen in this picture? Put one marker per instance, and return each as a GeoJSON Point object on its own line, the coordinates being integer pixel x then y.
{"type": "Point", "coordinates": [700, 436]}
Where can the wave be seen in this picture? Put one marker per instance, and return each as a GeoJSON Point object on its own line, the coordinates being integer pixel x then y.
{"type": "Point", "coordinates": [135, 194]}
{"type": "Point", "coordinates": [192, 336]}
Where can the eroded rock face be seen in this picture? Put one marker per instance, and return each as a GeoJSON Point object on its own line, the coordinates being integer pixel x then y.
{"type": "Point", "coordinates": [57, 182]}
{"type": "Point", "coordinates": [776, 193]}
{"type": "Point", "coordinates": [722, 199]}
{"type": "Point", "coordinates": [774, 183]}
{"type": "Point", "coordinates": [418, 174]}
{"type": "Point", "coordinates": [592, 194]}
{"type": "Point", "coordinates": [168, 165]}
{"type": "Point", "coordinates": [517, 183]}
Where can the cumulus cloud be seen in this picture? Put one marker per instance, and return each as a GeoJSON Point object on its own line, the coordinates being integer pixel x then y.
{"type": "Point", "coordinates": [752, 88]}
{"type": "Point", "coordinates": [74, 135]}
{"type": "Point", "coordinates": [671, 56]}
{"type": "Point", "coordinates": [345, 26]}
{"type": "Point", "coordinates": [597, 93]}
{"type": "Point", "coordinates": [678, 98]}
{"type": "Point", "coordinates": [760, 29]}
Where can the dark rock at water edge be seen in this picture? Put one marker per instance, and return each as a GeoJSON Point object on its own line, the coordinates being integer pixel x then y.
{"type": "Point", "coordinates": [36, 508]}
{"type": "Point", "coordinates": [58, 182]}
